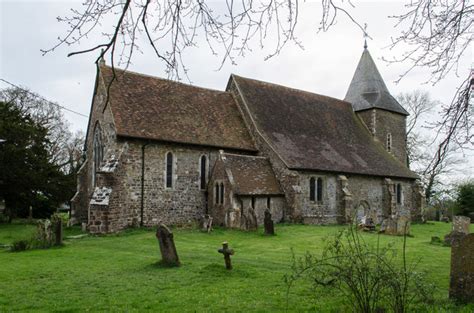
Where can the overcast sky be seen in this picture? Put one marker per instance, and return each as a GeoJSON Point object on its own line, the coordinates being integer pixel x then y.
{"type": "Point", "coordinates": [325, 66]}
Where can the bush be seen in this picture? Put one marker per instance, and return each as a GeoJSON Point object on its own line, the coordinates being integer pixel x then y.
{"type": "Point", "coordinates": [369, 277]}
{"type": "Point", "coordinates": [465, 198]}
{"type": "Point", "coordinates": [20, 245]}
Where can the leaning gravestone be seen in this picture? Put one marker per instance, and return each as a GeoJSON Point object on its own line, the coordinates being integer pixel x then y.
{"type": "Point", "coordinates": [268, 223]}
{"type": "Point", "coordinates": [169, 256]}
{"type": "Point", "coordinates": [206, 224]}
{"type": "Point", "coordinates": [461, 286]}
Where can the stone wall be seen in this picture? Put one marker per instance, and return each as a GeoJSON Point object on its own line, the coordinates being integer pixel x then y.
{"type": "Point", "coordinates": [364, 195]}
{"type": "Point", "coordinates": [101, 116]}
{"type": "Point", "coordinates": [319, 212]}
{"type": "Point", "coordinates": [387, 122]}
{"type": "Point", "coordinates": [277, 207]}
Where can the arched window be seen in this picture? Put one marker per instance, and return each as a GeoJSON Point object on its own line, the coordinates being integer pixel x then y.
{"type": "Point", "coordinates": [253, 202]}
{"type": "Point", "coordinates": [312, 189]}
{"type": "Point", "coordinates": [216, 193]}
{"type": "Point", "coordinates": [389, 142]}
{"type": "Point", "coordinates": [169, 170]}
{"type": "Point", "coordinates": [203, 167]}
{"type": "Point", "coordinates": [269, 203]}
{"type": "Point", "coordinates": [222, 194]}
{"type": "Point", "coordinates": [98, 152]}
{"type": "Point", "coordinates": [399, 193]}
{"type": "Point", "coordinates": [319, 190]}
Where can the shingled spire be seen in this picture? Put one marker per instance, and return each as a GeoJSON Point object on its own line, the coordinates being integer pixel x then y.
{"type": "Point", "coordinates": [368, 90]}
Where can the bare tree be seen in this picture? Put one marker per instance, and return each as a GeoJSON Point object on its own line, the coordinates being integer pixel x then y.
{"type": "Point", "coordinates": [62, 144]}
{"type": "Point", "coordinates": [423, 142]}
{"type": "Point", "coordinates": [170, 27]}
{"type": "Point", "coordinates": [436, 35]}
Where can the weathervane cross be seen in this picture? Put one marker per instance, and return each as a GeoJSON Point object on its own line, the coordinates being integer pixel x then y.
{"type": "Point", "coordinates": [366, 35]}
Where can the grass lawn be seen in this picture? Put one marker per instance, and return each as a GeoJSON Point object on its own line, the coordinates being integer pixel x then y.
{"type": "Point", "coordinates": [120, 272]}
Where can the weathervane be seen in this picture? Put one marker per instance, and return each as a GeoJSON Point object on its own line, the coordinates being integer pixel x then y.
{"type": "Point", "coordinates": [366, 35]}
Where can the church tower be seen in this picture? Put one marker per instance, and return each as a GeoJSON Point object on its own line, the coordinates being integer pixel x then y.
{"type": "Point", "coordinates": [378, 109]}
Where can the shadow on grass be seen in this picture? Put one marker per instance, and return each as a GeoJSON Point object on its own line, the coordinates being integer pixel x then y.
{"type": "Point", "coordinates": [219, 270]}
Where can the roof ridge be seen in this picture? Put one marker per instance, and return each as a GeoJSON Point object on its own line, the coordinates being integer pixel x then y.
{"type": "Point", "coordinates": [292, 88]}
{"type": "Point", "coordinates": [164, 79]}
{"type": "Point", "coordinates": [244, 155]}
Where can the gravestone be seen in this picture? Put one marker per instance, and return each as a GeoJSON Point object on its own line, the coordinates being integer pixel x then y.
{"type": "Point", "coordinates": [169, 256]}
{"type": "Point", "coordinates": [461, 224]}
{"type": "Point", "coordinates": [397, 226]}
{"type": "Point", "coordinates": [206, 224]}
{"type": "Point", "coordinates": [252, 223]}
{"type": "Point", "coordinates": [268, 223]}
{"type": "Point", "coordinates": [460, 230]}
{"type": "Point", "coordinates": [227, 253]}
{"type": "Point", "coordinates": [44, 233]}
{"type": "Point", "coordinates": [58, 232]}
{"type": "Point", "coordinates": [403, 225]}
{"type": "Point", "coordinates": [461, 285]}
{"type": "Point", "coordinates": [233, 218]}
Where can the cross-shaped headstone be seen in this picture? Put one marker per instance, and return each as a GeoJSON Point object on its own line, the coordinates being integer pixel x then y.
{"type": "Point", "coordinates": [227, 253]}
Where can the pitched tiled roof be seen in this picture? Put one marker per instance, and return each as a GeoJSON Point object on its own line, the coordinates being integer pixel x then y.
{"type": "Point", "coordinates": [314, 132]}
{"type": "Point", "coordinates": [368, 90]}
{"type": "Point", "coordinates": [159, 109]}
{"type": "Point", "coordinates": [251, 175]}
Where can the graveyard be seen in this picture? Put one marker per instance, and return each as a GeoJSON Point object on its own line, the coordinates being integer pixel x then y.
{"type": "Point", "coordinates": [122, 272]}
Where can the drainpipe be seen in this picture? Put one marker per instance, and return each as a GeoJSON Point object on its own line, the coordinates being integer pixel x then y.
{"type": "Point", "coordinates": [142, 185]}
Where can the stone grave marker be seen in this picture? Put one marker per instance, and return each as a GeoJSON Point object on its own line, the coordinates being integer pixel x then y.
{"type": "Point", "coordinates": [169, 256]}
{"type": "Point", "coordinates": [251, 222]}
{"type": "Point", "coordinates": [268, 223]}
{"type": "Point", "coordinates": [460, 230]}
{"type": "Point", "coordinates": [227, 253]}
{"type": "Point", "coordinates": [461, 287]}
{"type": "Point", "coordinates": [461, 224]}
{"type": "Point", "coordinates": [206, 223]}
{"type": "Point", "coordinates": [58, 232]}
{"type": "Point", "coordinates": [403, 225]}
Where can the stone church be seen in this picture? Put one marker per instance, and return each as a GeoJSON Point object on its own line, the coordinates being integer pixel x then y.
{"type": "Point", "coordinates": [159, 151]}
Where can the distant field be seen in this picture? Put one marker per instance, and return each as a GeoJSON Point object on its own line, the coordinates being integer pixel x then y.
{"type": "Point", "coordinates": [119, 272]}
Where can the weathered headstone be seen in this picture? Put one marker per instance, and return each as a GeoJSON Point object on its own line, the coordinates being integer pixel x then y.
{"type": "Point", "coordinates": [403, 225]}
{"type": "Point", "coordinates": [251, 221]}
{"type": "Point", "coordinates": [390, 226]}
{"type": "Point", "coordinates": [58, 232]}
{"type": "Point", "coordinates": [206, 223]}
{"type": "Point", "coordinates": [461, 224]}
{"type": "Point", "coordinates": [268, 223]}
{"type": "Point", "coordinates": [169, 256]}
{"type": "Point", "coordinates": [233, 218]}
{"type": "Point", "coordinates": [461, 285]}
{"type": "Point", "coordinates": [44, 233]}
{"type": "Point", "coordinates": [460, 230]}
{"type": "Point", "coordinates": [227, 253]}
{"type": "Point", "coordinates": [397, 226]}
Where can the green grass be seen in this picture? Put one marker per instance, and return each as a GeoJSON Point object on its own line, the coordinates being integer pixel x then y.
{"type": "Point", "coordinates": [120, 272]}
